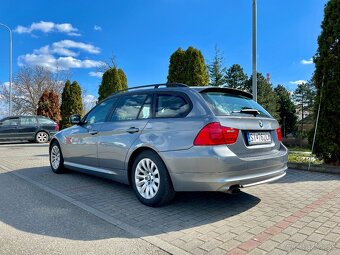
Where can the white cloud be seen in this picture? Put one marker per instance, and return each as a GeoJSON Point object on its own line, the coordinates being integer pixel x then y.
{"type": "Point", "coordinates": [57, 63]}
{"type": "Point", "coordinates": [97, 28]}
{"type": "Point", "coordinates": [47, 27]}
{"type": "Point", "coordinates": [76, 45]}
{"type": "Point", "coordinates": [63, 48]}
{"type": "Point", "coordinates": [298, 82]}
{"type": "Point", "coordinates": [307, 62]}
{"type": "Point", "coordinates": [96, 74]}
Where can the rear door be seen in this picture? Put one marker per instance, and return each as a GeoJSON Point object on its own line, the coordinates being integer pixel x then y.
{"type": "Point", "coordinates": [28, 127]}
{"type": "Point", "coordinates": [9, 128]}
{"type": "Point", "coordinates": [124, 126]}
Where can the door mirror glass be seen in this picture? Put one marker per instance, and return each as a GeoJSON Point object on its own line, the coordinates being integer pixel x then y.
{"type": "Point", "coordinates": [75, 119]}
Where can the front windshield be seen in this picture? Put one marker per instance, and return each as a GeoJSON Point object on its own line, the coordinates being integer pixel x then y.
{"type": "Point", "coordinates": [223, 104]}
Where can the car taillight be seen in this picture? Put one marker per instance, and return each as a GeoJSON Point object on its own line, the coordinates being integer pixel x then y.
{"type": "Point", "coordinates": [215, 134]}
{"type": "Point", "coordinates": [279, 134]}
{"type": "Point", "coordinates": [56, 127]}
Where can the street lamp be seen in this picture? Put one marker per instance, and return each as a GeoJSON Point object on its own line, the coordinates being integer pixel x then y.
{"type": "Point", "coordinates": [254, 80]}
{"type": "Point", "coordinates": [10, 68]}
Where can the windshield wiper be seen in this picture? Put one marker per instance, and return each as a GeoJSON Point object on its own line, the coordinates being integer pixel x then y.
{"type": "Point", "coordinates": [248, 111]}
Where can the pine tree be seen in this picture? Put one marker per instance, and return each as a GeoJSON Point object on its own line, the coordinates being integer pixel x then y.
{"type": "Point", "coordinates": [77, 102]}
{"type": "Point", "coordinates": [71, 103]}
{"type": "Point", "coordinates": [216, 69]}
{"type": "Point", "coordinates": [327, 82]}
{"type": "Point", "coordinates": [65, 111]}
{"type": "Point", "coordinates": [236, 78]}
{"type": "Point", "coordinates": [265, 95]}
{"type": "Point", "coordinates": [188, 67]}
{"type": "Point", "coordinates": [123, 79]}
{"type": "Point", "coordinates": [286, 110]}
{"type": "Point", "coordinates": [44, 105]}
{"type": "Point", "coordinates": [111, 82]}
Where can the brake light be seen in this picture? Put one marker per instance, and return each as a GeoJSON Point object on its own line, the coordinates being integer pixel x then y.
{"type": "Point", "coordinates": [215, 134]}
{"type": "Point", "coordinates": [279, 134]}
{"type": "Point", "coordinates": [56, 127]}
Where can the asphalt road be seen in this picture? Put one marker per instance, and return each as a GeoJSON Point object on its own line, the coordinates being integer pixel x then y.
{"type": "Point", "coordinates": [33, 221]}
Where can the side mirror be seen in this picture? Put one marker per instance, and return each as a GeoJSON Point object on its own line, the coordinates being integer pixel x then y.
{"type": "Point", "coordinates": [75, 119]}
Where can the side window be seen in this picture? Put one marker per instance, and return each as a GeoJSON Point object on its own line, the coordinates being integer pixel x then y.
{"type": "Point", "coordinates": [45, 121]}
{"type": "Point", "coordinates": [28, 121]}
{"type": "Point", "coordinates": [10, 122]}
{"type": "Point", "coordinates": [129, 108]}
{"type": "Point", "coordinates": [99, 113]}
{"type": "Point", "coordinates": [171, 106]}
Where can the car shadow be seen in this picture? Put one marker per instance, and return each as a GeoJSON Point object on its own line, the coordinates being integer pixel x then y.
{"type": "Point", "coordinates": [188, 210]}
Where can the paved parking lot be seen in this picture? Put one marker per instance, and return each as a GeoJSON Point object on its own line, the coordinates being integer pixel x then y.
{"type": "Point", "coordinates": [300, 214]}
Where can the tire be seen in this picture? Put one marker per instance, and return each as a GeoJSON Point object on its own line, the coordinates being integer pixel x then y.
{"type": "Point", "coordinates": [41, 137]}
{"type": "Point", "coordinates": [57, 166]}
{"type": "Point", "coordinates": [151, 181]}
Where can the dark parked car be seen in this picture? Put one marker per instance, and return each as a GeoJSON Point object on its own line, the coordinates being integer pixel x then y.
{"type": "Point", "coordinates": [33, 128]}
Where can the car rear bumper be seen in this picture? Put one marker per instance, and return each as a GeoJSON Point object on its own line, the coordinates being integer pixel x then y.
{"type": "Point", "coordinates": [218, 169]}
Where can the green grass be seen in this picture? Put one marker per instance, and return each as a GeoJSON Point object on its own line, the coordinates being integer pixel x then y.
{"type": "Point", "coordinates": [303, 158]}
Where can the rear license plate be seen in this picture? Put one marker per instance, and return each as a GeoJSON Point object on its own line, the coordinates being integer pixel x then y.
{"type": "Point", "coordinates": [259, 138]}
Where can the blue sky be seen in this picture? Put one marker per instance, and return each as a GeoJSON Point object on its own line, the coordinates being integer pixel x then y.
{"type": "Point", "coordinates": [143, 34]}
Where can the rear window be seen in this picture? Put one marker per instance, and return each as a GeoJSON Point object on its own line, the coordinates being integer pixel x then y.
{"type": "Point", "coordinates": [171, 106]}
{"type": "Point", "coordinates": [224, 104]}
{"type": "Point", "coordinates": [45, 121]}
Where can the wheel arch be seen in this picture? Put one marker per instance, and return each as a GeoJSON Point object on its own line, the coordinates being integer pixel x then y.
{"type": "Point", "coordinates": [133, 156]}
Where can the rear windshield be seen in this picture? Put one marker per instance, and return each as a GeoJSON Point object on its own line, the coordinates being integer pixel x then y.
{"type": "Point", "coordinates": [223, 104]}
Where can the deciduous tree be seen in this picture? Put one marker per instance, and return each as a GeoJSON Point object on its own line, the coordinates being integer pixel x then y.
{"type": "Point", "coordinates": [29, 84]}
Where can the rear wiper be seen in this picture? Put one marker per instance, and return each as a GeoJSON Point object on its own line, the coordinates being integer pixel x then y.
{"type": "Point", "coordinates": [248, 111]}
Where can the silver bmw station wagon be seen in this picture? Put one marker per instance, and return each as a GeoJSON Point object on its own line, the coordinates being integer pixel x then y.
{"type": "Point", "coordinates": [170, 137]}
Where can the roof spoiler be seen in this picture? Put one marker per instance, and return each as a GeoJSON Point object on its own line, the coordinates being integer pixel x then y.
{"type": "Point", "coordinates": [228, 90]}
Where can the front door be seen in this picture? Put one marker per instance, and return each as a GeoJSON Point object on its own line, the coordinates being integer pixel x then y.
{"type": "Point", "coordinates": [9, 128]}
{"type": "Point", "coordinates": [81, 143]}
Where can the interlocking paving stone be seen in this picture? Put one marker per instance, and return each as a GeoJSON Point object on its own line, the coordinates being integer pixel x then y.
{"type": "Point", "coordinates": [292, 215]}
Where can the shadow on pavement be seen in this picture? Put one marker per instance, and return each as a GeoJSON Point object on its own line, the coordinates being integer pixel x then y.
{"type": "Point", "coordinates": [28, 208]}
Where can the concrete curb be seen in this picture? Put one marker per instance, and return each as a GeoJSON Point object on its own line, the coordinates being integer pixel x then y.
{"type": "Point", "coordinates": [171, 249]}
{"type": "Point", "coordinates": [314, 168]}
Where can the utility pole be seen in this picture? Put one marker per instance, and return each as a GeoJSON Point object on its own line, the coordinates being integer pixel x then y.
{"type": "Point", "coordinates": [254, 35]}
{"type": "Point", "coordinates": [10, 68]}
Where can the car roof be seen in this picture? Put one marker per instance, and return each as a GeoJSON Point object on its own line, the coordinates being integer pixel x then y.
{"type": "Point", "coordinates": [181, 87]}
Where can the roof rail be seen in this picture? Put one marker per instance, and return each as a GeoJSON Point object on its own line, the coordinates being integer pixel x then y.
{"type": "Point", "coordinates": [156, 86]}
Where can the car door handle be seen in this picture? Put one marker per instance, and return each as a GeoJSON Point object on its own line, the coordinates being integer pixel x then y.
{"type": "Point", "coordinates": [132, 130]}
{"type": "Point", "coordinates": [93, 132]}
